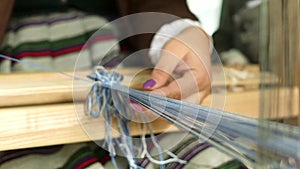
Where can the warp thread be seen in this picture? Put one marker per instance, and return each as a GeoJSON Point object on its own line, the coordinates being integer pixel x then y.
{"type": "Point", "coordinates": [236, 135]}
{"type": "Point", "coordinates": [100, 103]}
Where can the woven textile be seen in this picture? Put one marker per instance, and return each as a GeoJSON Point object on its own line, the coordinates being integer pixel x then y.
{"type": "Point", "coordinates": [54, 40]}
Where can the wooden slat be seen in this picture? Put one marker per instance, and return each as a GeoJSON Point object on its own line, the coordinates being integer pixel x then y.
{"type": "Point", "coordinates": [32, 126]}
{"type": "Point", "coordinates": [40, 125]}
{"type": "Point", "coordinates": [247, 103]}
{"type": "Point", "coordinates": [18, 89]}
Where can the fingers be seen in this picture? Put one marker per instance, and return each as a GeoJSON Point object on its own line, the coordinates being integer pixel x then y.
{"type": "Point", "coordinates": [187, 55]}
{"type": "Point", "coordinates": [194, 80]}
{"type": "Point", "coordinates": [181, 87]}
{"type": "Point", "coordinates": [146, 116]}
{"type": "Point", "coordinates": [170, 57]}
{"type": "Point", "coordinates": [177, 89]}
{"type": "Point", "coordinates": [197, 98]}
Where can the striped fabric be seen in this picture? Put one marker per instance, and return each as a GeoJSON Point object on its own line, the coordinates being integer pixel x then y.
{"type": "Point", "coordinates": [36, 158]}
{"type": "Point", "coordinates": [85, 158]}
{"type": "Point", "coordinates": [7, 156]}
{"type": "Point", "coordinates": [55, 40]}
{"type": "Point", "coordinates": [232, 165]}
{"type": "Point", "coordinates": [199, 155]}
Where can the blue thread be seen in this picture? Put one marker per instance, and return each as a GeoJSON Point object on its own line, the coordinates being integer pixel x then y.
{"type": "Point", "coordinates": [42, 68]}
{"type": "Point", "coordinates": [230, 127]}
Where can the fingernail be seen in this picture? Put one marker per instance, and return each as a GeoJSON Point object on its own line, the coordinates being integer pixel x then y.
{"type": "Point", "coordinates": [136, 106]}
{"type": "Point", "coordinates": [129, 100]}
{"type": "Point", "coordinates": [149, 84]}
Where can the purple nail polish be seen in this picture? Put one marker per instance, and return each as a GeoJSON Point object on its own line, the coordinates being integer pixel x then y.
{"type": "Point", "coordinates": [136, 107]}
{"type": "Point", "coordinates": [149, 84]}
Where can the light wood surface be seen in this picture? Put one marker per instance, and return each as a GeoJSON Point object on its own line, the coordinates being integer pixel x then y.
{"type": "Point", "coordinates": [47, 88]}
{"type": "Point", "coordinates": [19, 89]}
{"type": "Point", "coordinates": [40, 125]}
{"type": "Point", "coordinates": [32, 126]}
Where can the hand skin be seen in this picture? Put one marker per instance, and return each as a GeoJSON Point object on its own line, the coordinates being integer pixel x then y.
{"type": "Point", "coordinates": [183, 70]}
{"type": "Point", "coordinates": [187, 57]}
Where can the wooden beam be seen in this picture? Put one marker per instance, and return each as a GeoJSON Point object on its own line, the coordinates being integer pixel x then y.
{"type": "Point", "coordinates": [33, 126]}
{"type": "Point", "coordinates": [19, 89]}
{"type": "Point", "coordinates": [41, 125]}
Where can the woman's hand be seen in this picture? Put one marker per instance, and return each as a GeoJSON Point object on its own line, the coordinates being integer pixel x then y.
{"type": "Point", "coordinates": [183, 69]}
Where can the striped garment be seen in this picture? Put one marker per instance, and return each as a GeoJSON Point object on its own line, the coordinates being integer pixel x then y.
{"type": "Point", "coordinates": [6, 156]}
{"type": "Point", "coordinates": [199, 155]}
{"type": "Point", "coordinates": [36, 158]}
{"type": "Point", "coordinates": [55, 40]}
{"type": "Point", "coordinates": [86, 158]}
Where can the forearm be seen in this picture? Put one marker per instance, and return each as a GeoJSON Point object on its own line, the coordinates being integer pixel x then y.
{"type": "Point", "coordinates": [6, 7]}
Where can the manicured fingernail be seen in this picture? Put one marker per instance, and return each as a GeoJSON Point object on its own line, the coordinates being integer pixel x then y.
{"type": "Point", "coordinates": [136, 106]}
{"type": "Point", "coordinates": [129, 100]}
{"type": "Point", "coordinates": [149, 84]}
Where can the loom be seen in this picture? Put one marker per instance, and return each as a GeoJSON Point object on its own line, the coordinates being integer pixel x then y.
{"type": "Point", "coordinates": [236, 135]}
{"type": "Point", "coordinates": [258, 143]}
